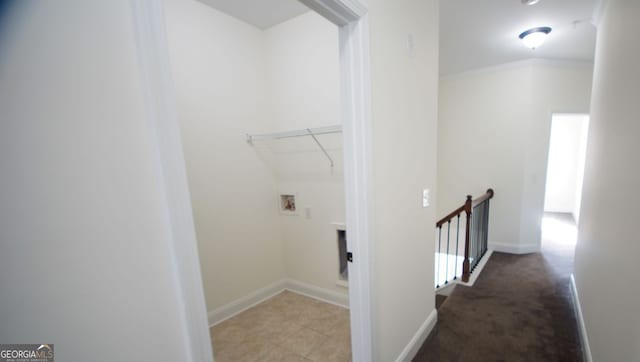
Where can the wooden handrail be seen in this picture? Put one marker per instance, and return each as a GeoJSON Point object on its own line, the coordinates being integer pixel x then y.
{"type": "Point", "coordinates": [487, 195]}
{"type": "Point", "coordinates": [465, 207]}
{"type": "Point", "coordinates": [453, 214]}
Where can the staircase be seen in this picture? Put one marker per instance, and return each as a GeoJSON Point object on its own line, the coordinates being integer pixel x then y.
{"type": "Point", "coordinates": [460, 251]}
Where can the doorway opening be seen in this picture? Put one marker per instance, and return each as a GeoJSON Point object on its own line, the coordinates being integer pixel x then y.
{"type": "Point", "coordinates": [233, 109]}
{"type": "Point", "coordinates": [565, 171]}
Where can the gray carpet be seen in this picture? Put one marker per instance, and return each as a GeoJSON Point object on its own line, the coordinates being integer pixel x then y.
{"type": "Point", "coordinates": [519, 309]}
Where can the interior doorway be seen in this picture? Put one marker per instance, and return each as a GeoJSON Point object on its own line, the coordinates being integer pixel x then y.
{"type": "Point", "coordinates": [151, 44]}
{"type": "Point", "coordinates": [565, 171]}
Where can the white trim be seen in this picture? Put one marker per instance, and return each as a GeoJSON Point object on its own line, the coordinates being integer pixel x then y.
{"type": "Point", "coordinates": [598, 12]}
{"type": "Point", "coordinates": [447, 289]}
{"type": "Point", "coordinates": [518, 64]}
{"type": "Point", "coordinates": [411, 349]}
{"type": "Point", "coordinates": [157, 86]}
{"type": "Point", "coordinates": [340, 226]}
{"type": "Point", "coordinates": [339, 12]}
{"type": "Point", "coordinates": [443, 289]}
{"type": "Point", "coordinates": [238, 306]}
{"type": "Point", "coordinates": [514, 248]}
{"type": "Point", "coordinates": [321, 294]}
{"type": "Point", "coordinates": [256, 297]}
{"type": "Point", "coordinates": [586, 349]}
{"type": "Point", "coordinates": [355, 82]}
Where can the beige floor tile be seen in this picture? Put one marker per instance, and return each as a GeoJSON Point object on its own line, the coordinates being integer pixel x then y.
{"type": "Point", "coordinates": [292, 357]}
{"type": "Point", "coordinates": [311, 313]}
{"type": "Point", "coordinates": [278, 333]}
{"type": "Point", "coordinates": [231, 354]}
{"type": "Point", "coordinates": [303, 341]}
{"type": "Point", "coordinates": [343, 331]}
{"type": "Point", "coordinates": [229, 333]}
{"type": "Point", "coordinates": [332, 350]}
{"type": "Point", "coordinates": [221, 346]}
{"type": "Point", "coordinates": [325, 324]}
{"type": "Point", "coordinates": [249, 351]}
{"type": "Point", "coordinates": [280, 354]}
{"type": "Point", "coordinates": [287, 327]}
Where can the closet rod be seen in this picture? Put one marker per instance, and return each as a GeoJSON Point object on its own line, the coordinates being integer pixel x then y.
{"type": "Point", "coordinates": [299, 133]}
{"type": "Point", "coordinates": [296, 133]}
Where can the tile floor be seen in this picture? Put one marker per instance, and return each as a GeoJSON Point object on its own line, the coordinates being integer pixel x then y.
{"type": "Point", "coordinates": [286, 327]}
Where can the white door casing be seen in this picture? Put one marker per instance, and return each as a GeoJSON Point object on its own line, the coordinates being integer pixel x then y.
{"type": "Point", "coordinates": [156, 81]}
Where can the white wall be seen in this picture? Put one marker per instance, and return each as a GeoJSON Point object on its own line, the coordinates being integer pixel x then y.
{"type": "Point", "coordinates": [303, 70]}
{"type": "Point", "coordinates": [404, 97]}
{"type": "Point", "coordinates": [606, 262]}
{"type": "Point", "coordinates": [481, 116]}
{"type": "Point", "coordinates": [220, 76]}
{"type": "Point", "coordinates": [86, 259]}
{"type": "Point", "coordinates": [493, 131]}
{"type": "Point", "coordinates": [582, 161]}
{"type": "Point", "coordinates": [563, 185]}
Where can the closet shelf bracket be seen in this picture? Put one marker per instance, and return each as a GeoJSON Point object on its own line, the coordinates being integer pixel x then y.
{"type": "Point", "coordinates": [320, 145]}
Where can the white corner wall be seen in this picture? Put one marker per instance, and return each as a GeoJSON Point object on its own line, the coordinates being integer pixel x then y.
{"type": "Point", "coordinates": [303, 72]}
{"type": "Point", "coordinates": [86, 260]}
{"type": "Point", "coordinates": [493, 131]}
{"type": "Point", "coordinates": [404, 114]}
{"type": "Point", "coordinates": [220, 78]}
{"type": "Point", "coordinates": [606, 261]}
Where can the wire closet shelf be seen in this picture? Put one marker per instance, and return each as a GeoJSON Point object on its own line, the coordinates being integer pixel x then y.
{"type": "Point", "coordinates": [307, 132]}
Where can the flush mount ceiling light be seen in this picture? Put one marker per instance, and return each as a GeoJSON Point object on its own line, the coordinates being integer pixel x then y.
{"type": "Point", "coordinates": [530, 2]}
{"type": "Point", "coordinates": [534, 37]}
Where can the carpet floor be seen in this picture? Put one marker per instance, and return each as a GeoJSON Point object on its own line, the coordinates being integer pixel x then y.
{"type": "Point", "coordinates": [519, 309]}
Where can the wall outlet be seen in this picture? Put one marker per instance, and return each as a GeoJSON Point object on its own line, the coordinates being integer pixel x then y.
{"type": "Point", "coordinates": [425, 198]}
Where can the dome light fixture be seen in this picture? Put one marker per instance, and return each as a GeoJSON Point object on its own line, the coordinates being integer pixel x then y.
{"type": "Point", "coordinates": [534, 37]}
{"type": "Point", "coordinates": [530, 2]}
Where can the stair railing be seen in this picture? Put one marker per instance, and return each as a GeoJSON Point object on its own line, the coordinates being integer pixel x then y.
{"type": "Point", "coordinates": [476, 230]}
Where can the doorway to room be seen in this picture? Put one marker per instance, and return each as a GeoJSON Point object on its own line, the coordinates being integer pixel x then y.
{"type": "Point", "coordinates": [565, 171]}
{"type": "Point", "coordinates": [352, 110]}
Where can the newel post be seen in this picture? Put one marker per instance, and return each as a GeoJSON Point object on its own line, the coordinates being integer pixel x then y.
{"type": "Point", "coordinates": [467, 239]}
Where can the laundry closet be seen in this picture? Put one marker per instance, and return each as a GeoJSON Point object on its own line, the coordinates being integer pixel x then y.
{"type": "Point", "coordinates": [260, 119]}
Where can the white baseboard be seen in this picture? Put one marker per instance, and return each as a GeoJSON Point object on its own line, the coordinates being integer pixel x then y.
{"type": "Point", "coordinates": [238, 306]}
{"type": "Point", "coordinates": [514, 248]}
{"type": "Point", "coordinates": [324, 295]}
{"type": "Point", "coordinates": [586, 349]}
{"type": "Point", "coordinates": [447, 289]}
{"type": "Point", "coordinates": [229, 310]}
{"type": "Point", "coordinates": [410, 351]}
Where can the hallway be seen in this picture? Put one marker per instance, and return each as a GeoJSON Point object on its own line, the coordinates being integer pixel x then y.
{"type": "Point", "coordinates": [519, 309]}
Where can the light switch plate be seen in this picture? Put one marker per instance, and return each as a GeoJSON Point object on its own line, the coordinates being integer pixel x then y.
{"type": "Point", "coordinates": [425, 198]}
